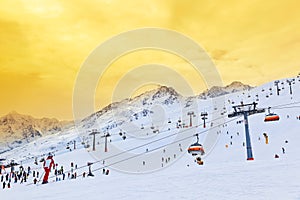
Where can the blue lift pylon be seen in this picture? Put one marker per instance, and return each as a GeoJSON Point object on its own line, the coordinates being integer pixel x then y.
{"type": "Point", "coordinates": [246, 110]}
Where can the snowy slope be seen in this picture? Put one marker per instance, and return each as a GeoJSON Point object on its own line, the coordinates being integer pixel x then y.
{"type": "Point", "coordinates": [225, 174]}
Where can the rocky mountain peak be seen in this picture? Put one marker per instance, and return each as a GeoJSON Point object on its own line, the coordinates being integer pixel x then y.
{"type": "Point", "coordinates": [216, 91]}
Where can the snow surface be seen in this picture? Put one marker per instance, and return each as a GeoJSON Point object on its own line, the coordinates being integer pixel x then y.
{"type": "Point", "coordinates": [225, 174]}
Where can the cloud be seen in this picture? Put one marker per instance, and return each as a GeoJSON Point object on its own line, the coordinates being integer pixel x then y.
{"type": "Point", "coordinates": [13, 42]}
{"type": "Point", "coordinates": [46, 41]}
{"type": "Point", "coordinates": [218, 54]}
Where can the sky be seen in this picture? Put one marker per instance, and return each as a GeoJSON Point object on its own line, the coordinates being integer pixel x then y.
{"type": "Point", "coordinates": [44, 44]}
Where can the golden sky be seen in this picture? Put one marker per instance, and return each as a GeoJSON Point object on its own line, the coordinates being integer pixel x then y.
{"type": "Point", "coordinates": [44, 42]}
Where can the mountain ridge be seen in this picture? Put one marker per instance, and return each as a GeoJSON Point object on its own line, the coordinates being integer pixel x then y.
{"type": "Point", "coordinates": [16, 128]}
{"type": "Point", "coordinates": [216, 91]}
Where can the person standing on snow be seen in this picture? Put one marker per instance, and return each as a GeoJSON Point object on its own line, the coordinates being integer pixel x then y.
{"type": "Point", "coordinates": [3, 169]}
{"type": "Point", "coordinates": [266, 138]}
{"type": "Point", "coordinates": [48, 164]}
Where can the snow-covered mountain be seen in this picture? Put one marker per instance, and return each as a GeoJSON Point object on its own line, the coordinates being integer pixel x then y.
{"type": "Point", "coordinates": [139, 106]}
{"type": "Point", "coordinates": [219, 91]}
{"type": "Point", "coordinates": [157, 134]}
{"type": "Point", "coordinates": [130, 107]}
{"type": "Point", "coordinates": [16, 129]}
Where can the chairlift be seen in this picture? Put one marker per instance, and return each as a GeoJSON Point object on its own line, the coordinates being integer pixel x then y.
{"type": "Point", "coordinates": [271, 116]}
{"type": "Point", "coordinates": [196, 148]}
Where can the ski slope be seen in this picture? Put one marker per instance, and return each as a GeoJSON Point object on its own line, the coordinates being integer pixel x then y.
{"type": "Point", "coordinates": [136, 166]}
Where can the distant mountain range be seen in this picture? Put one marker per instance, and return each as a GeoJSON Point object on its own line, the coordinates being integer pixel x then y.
{"type": "Point", "coordinates": [17, 129]}
{"type": "Point", "coordinates": [219, 91]}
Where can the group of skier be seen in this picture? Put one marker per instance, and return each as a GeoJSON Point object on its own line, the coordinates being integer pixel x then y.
{"type": "Point", "coordinates": [266, 141]}
{"type": "Point", "coordinates": [12, 176]}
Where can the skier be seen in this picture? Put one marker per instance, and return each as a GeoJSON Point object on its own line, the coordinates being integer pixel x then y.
{"type": "Point", "coordinates": [28, 170]}
{"type": "Point", "coordinates": [48, 164]}
{"type": "Point", "coordinates": [90, 169]}
{"type": "Point", "coordinates": [283, 150]}
{"type": "Point", "coordinates": [35, 161]}
{"type": "Point", "coordinates": [25, 176]}
{"type": "Point", "coordinates": [266, 138]}
{"type": "Point", "coordinates": [72, 167]}
{"type": "Point", "coordinates": [199, 161]}
{"type": "Point", "coordinates": [12, 168]}
{"type": "Point", "coordinates": [61, 169]}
